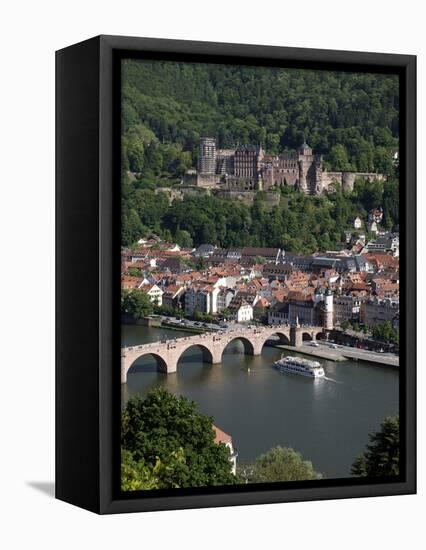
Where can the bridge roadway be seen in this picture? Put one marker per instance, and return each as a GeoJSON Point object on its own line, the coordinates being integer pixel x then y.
{"type": "Point", "coordinates": [212, 345]}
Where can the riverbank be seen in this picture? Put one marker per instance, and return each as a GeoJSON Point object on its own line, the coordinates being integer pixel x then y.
{"type": "Point", "coordinates": [144, 322]}
{"type": "Point", "coordinates": [182, 328]}
{"type": "Point", "coordinates": [314, 352]}
{"type": "Point", "coordinates": [345, 353]}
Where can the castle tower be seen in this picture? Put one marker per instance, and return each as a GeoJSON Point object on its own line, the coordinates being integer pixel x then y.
{"type": "Point", "coordinates": [305, 150]}
{"type": "Point", "coordinates": [328, 310]}
{"type": "Point", "coordinates": [305, 160]}
{"type": "Point", "coordinates": [207, 156]}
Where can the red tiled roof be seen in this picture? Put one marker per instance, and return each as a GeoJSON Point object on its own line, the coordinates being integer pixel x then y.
{"type": "Point", "coordinates": [221, 436]}
{"type": "Point", "coordinates": [128, 281]}
{"type": "Point", "coordinates": [172, 289]}
{"type": "Point", "coordinates": [262, 302]}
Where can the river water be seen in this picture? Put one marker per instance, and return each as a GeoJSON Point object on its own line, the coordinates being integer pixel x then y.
{"type": "Point", "coordinates": [327, 420]}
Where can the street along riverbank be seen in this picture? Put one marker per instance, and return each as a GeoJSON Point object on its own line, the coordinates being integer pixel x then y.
{"type": "Point", "coordinates": [343, 353]}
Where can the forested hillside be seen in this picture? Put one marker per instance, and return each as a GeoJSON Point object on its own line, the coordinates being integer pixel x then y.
{"type": "Point", "coordinates": [298, 224]}
{"type": "Point", "coordinates": [352, 119]}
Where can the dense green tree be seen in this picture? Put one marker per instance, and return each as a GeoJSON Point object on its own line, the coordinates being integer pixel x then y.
{"type": "Point", "coordinates": [391, 203]}
{"type": "Point", "coordinates": [137, 475]}
{"type": "Point", "coordinates": [136, 303]}
{"type": "Point", "coordinates": [161, 425]}
{"type": "Point", "coordinates": [131, 226]}
{"type": "Point", "coordinates": [381, 457]}
{"type": "Point", "coordinates": [200, 263]}
{"type": "Point", "coordinates": [134, 271]}
{"type": "Point", "coordinates": [135, 153]}
{"type": "Point", "coordinates": [183, 238]}
{"type": "Point", "coordinates": [384, 332]}
{"type": "Point", "coordinates": [282, 464]}
{"type": "Point", "coordinates": [338, 158]}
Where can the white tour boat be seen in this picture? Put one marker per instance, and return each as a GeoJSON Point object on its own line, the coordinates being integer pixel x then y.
{"type": "Point", "coordinates": [297, 365]}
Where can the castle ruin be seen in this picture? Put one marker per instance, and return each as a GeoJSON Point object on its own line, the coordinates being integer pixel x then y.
{"type": "Point", "coordinates": [247, 169]}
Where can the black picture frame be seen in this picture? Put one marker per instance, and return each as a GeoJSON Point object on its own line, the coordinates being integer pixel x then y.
{"type": "Point", "coordinates": [88, 273]}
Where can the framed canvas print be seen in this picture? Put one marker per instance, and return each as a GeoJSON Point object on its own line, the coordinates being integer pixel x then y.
{"type": "Point", "coordinates": [235, 274]}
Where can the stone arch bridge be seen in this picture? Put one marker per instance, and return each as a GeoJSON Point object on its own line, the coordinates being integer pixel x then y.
{"type": "Point", "coordinates": [212, 345]}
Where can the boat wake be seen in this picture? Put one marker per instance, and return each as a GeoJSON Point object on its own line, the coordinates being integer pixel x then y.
{"type": "Point", "coordinates": [331, 380]}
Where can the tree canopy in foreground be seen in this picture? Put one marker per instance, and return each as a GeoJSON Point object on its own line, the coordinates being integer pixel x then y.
{"type": "Point", "coordinates": [168, 443]}
{"type": "Point", "coordinates": [280, 464]}
{"type": "Point", "coordinates": [381, 457]}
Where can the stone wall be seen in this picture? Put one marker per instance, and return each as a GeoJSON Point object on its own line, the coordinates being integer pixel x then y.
{"type": "Point", "coordinates": [247, 197]}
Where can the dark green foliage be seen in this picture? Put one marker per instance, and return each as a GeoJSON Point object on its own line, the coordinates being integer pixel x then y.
{"type": "Point", "coordinates": [385, 333]}
{"type": "Point", "coordinates": [381, 457]}
{"type": "Point", "coordinates": [278, 108]}
{"type": "Point", "coordinates": [280, 464]}
{"type": "Point", "coordinates": [298, 224]}
{"type": "Point", "coordinates": [169, 429]}
{"type": "Point", "coordinates": [134, 271]}
{"type": "Point", "coordinates": [391, 204]}
{"type": "Point", "coordinates": [138, 476]}
{"type": "Point", "coordinates": [136, 303]}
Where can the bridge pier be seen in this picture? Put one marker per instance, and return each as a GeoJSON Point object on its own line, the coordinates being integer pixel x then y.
{"type": "Point", "coordinates": [296, 337]}
{"type": "Point", "coordinates": [216, 355]}
{"type": "Point", "coordinates": [124, 369]}
{"type": "Point", "coordinates": [257, 347]}
{"type": "Point", "coordinates": [169, 367]}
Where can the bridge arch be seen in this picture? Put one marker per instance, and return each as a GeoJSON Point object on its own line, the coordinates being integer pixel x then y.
{"type": "Point", "coordinates": [206, 352]}
{"type": "Point", "coordinates": [160, 362]}
{"type": "Point", "coordinates": [284, 337]}
{"type": "Point", "coordinates": [314, 333]}
{"type": "Point", "coordinates": [249, 348]}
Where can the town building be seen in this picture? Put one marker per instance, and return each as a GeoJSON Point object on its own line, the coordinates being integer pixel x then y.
{"type": "Point", "coordinates": [372, 227]}
{"type": "Point", "coordinates": [173, 296]}
{"type": "Point", "coordinates": [240, 310]}
{"type": "Point", "coordinates": [278, 314]}
{"type": "Point", "coordinates": [154, 292]}
{"type": "Point", "coordinates": [128, 282]}
{"type": "Point", "coordinates": [250, 255]}
{"type": "Point", "coordinates": [224, 298]}
{"type": "Point", "coordinates": [304, 308]}
{"type": "Point", "coordinates": [375, 215]}
{"type": "Point", "coordinates": [376, 311]}
{"type": "Point", "coordinates": [357, 222]}
{"type": "Point", "coordinates": [346, 308]}
{"type": "Point", "coordinates": [201, 298]}
{"type": "Point", "coordinates": [388, 242]}
{"type": "Point", "coordinates": [204, 251]}
{"type": "Point", "coordinates": [246, 256]}
{"type": "Point", "coordinates": [226, 439]}
{"type": "Point", "coordinates": [260, 310]}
